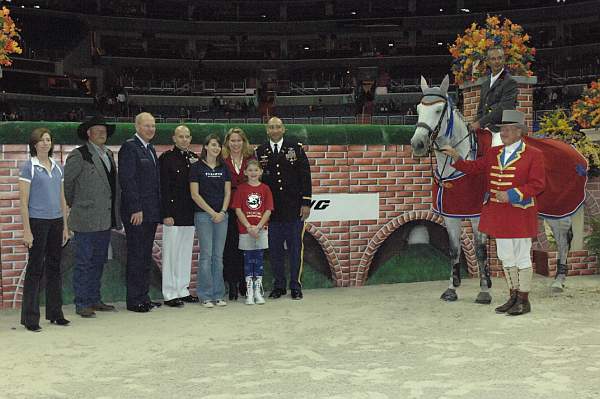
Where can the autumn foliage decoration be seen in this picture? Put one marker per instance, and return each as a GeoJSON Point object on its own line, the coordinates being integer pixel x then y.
{"type": "Point", "coordinates": [557, 125]}
{"type": "Point", "coordinates": [9, 34]}
{"type": "Point", "coordinates": [469, 50]}
{"type": "Point", "coordinates": [586, 110]}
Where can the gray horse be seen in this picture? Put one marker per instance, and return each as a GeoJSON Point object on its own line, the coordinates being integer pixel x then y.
{"type": "Point", "coordinates": [440, 124]}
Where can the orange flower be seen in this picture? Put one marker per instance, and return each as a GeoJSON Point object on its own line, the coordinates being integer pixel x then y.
{"type": "Point", "coordinates": [8, 37]}
{"type": "Point", "coordinates": [475, 41]}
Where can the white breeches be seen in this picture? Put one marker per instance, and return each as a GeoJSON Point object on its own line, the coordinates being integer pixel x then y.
{"type": "Point", "coordinates": [514, 252]}
{"type": "Point", "coordinates": [176, 261]}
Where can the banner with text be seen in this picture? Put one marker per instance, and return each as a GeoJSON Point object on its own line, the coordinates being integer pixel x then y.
{"type": "Point", "coordinates": [341, 207]}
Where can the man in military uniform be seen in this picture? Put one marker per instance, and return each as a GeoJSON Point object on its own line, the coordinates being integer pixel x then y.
{"type": "Point", "coordinates": [515, 176]}
{"type": "Point", "coordinates": [498, 93]}
{"type": "Point", "coordinates": [287, 173]}
{"type": "Point", "coordinates": [177, 212]}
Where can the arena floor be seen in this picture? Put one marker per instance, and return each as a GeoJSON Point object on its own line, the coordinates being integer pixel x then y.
{"type": "Point", "coordinates": [388, 341]}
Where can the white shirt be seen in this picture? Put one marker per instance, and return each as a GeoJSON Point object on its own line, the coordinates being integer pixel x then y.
{"type": "Point", "coordinates": [509, 150]}
{"type": "Point", "coordinates": [142, 140]}
{"type": "Point", "coordinates": [145, 145]}
{"type": "Point", "coordinates": [493, 78]}
{"type": "Point", "coordinates": [279, 144]}
{"type": "Point", "coordinates": [103, 155]}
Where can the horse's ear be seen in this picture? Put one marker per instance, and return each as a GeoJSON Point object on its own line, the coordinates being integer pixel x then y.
{"type": "Point", "coordinates": [445, 84]}
{"type": "Point", "coordinates": [424, 85]}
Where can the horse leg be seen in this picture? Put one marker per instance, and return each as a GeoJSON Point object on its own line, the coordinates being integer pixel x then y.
{"type": "Point", "coordinates": [453, 228]}
{"type": "Point", "coordinates": [485, 280]}
{"type": "Point", "coordinates": [561, 229]}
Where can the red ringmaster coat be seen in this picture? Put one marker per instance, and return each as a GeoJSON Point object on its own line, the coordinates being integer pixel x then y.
{"type": "Point", "coordinates": [522, 177]}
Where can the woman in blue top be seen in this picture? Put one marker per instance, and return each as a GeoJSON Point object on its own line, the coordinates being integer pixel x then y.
{"type": "Point", "coordinates": [44, 215]}
{"type": "Point", "coordinates": [210, 186]}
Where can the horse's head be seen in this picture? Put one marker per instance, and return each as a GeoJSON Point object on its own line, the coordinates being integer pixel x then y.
{"type": "Point", "coordinates": [432, 117]}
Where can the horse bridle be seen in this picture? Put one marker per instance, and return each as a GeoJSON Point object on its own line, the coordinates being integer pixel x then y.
{"type": "Point", "coordinates": [434, 132]}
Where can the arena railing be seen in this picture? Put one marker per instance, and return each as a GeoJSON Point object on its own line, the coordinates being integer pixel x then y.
{"type": "Point", "coordinates": [306, 120]}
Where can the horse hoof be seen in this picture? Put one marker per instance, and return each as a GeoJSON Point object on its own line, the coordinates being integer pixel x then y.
{"type": "Point", "coordinates": [557, 287]}
{"type": "Point", "coordinates": [484, 298]}
{"type": "Point", "coordinates": [449, 295]}
{"type": "Point", "coordinates": [558, 284]}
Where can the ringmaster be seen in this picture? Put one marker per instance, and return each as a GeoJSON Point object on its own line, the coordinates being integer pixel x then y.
{"type": "Point", "coordinates": [515, 176]}
{"type": "Point", "coordinates": [287, 173]}
{"type": "Point", "coordinates": [92, 192]}
{"type": "Point", "coordinates": [139, 175]}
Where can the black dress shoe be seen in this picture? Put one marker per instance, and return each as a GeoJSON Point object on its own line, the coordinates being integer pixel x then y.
{"type": "Point", "coordinates": [174, 303]}
{"type": "Point", "coordinates": [60, 322]}
{"type": "Point", "coordinates": [297, 294]}
{"type": "Point", "coordinates": [34, 328]}
{"type": "Point", "coordinates": [141, 308]}
{"type": "Point", "coordinates": [86, 313]}
{"type": "Point", "coordinates": [277, 293]}
{"type": "Point", "coordinates": [153, 304]}
{"type": "Point", "coordinates": [190, 299]}
{"type": "Point", "coordinates": [102, 307]}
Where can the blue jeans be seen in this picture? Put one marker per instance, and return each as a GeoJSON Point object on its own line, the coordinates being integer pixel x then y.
{"type": "Point", "coordinates": [253, 263]}
{"type": "Point", "coordinates": [91, 253]}
{"type": "Point", "coordinates": [211, 237]}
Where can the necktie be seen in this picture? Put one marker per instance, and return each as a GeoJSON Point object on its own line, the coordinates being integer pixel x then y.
{"type": "Point", "coordinates": [150, 149]}
{"type": "Point", "coordinates": [106, 160]}
{"type": "Point", "coordinates": [275, 150]}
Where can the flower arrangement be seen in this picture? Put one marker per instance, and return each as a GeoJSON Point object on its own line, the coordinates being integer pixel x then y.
{"type": "Point", "coordinates": [9, 34]}
{"type": "Point", "coordinates": [586, 110]}
{"type": "Point", "coordinates": [469, 50]}
{"type": "Point", "coordinates": [557, 125]}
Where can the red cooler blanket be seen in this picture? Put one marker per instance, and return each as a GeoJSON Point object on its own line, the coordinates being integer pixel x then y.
{"type": "Point", "coordinates": [566, 177]}
{"type": "Point", "coordinates": [461, 196]}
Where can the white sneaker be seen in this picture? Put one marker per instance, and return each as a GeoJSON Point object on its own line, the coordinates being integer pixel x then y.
{"type": "Point", "coordinates": [249, 291]}
{"type": "Point", "coordinates": [208, 304]}
{"type": "Point", "coordinates": [259, 298]}
{"type": "Point", "coordinates": [221, 303]}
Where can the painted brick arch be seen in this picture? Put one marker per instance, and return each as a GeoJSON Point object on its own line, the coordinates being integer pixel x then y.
{"type": "Point", "coordinates": [393, 225]}
{"type": "Point", "coordinates": [329, 250]}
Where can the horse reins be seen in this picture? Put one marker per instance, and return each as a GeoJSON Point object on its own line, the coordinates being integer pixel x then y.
{"type": "Point", "coordinates": [433, 135]}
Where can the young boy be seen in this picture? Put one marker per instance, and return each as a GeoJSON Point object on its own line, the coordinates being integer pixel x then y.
{"type": "Point", "coordinates": [253, 203]}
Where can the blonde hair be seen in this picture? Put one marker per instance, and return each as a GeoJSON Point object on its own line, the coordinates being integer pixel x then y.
{"type": "Point", "coordinates": [247, 150]}
{"type": "Point", "coordinates": [139, 117]}
{"type": "Point", "coordinates": [254, 162]}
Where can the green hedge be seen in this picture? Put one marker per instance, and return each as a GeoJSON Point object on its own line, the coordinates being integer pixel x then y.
{"type": "Point", "coordinates": [65, 132]}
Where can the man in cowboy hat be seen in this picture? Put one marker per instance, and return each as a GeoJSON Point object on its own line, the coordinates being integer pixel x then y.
{"type": "Point", "coordinates": [92, 193]}
{"type": "Point", "coordinates": [515, 176]}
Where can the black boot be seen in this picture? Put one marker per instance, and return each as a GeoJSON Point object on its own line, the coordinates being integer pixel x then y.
{"type": "Point", "coordinates": [509, 304]}
{"type": "Point", "coordinates": [233, 292]}
{"type": "Point", "coordinates": [521, 305]}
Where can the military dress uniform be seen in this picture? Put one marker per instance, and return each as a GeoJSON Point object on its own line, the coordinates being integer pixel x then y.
{"type": "Point", "coordinates": [522, 176]}
{"type": "Point", "coordinates": [176, 203]}
{"type": "Point", "coordinates": [287, 173]}
{"type": "Point", "coordinates": [139, 177]}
